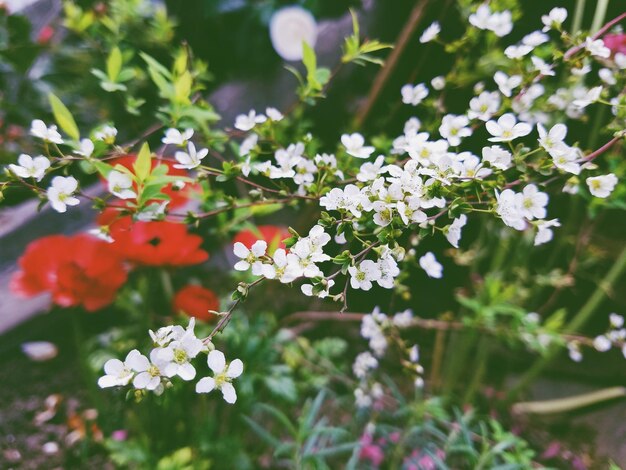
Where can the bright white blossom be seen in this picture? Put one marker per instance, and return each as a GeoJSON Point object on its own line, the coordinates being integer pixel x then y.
{"type": "Point", "coordinates": [285, 267]}
{"type": "Point", "coordinates": [118, 373]}
{"type": "Point", "coordinates": [430, 33]}
{"type": "Point", "coordinates": [86, 148]}
{"type": "Point", "coordinates": [289, 27]}
{"type": "Point", "coordinates": [533, 203]}
{"type": "Point", "coordinates": [506, 128]}
{"type": "Point", "coordinates": [497, 157]}
{"type": "Point", "coordinates": [50, 134]}
{"type": "Point", "coordinates": [597, 48]}
{"type": "Point", "coordinates": [250, 257]}
{"type": "Point", "coordinates": [602, 186]}
{"type": "Point", "coordinates": [29, 167]}
{"type": "Point", "coordinates": [363, 274]}
{"type": "Point", "coordinates": [554, 19]}
{"type": "Point", "coordinates": [509, 208]}
{"type": "Point", "coordinates": [60, 193]}
{"type": "Point", "coordinates": [121, 185]}
{"type": "Point", "coordinates": [429, 263]}
{"type": "Point", "coordinates": [363, 363]}
{"type": "Point", "coordinates": [245, 122]}
{"type": "Point", "coordinates": [175, 137]}
{"type": "Point", "coordinates": [355, 145]}
{"type": "Point", "coordinates": [453, 128]}
{"type": "Point", "coordinates": [484, 105]}
{"type": "Point", "coordinates": [274, 114]}
{"type": "Point", "coordinates": [191, 158]}
{"type": "Point", "coordinates": [544, 231]}
{"type": "Point", "coordinates": [107, 134]}
{"type": "Point", "coordinates": [507, 84]}
{"type": "Point", "coordinates": [414, 95]}
{"type": "Point", "coordinates": [454, 230]}
{"type": "Point", "coordinates": [223, 376]}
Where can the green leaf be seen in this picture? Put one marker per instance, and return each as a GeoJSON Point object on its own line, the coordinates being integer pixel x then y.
{"type": "Point", "coordinates": [182, 88]}
{"type": "Point", "coordinates": [114, 64]}
{"type": "Point", "coordinates": [103, 168]}
{"type": "Point", "coordinates": [309, 60]}
{"type": "Point", "coordinates": [63, 117]}
{"type": "Point", "coordinates": [143, 164]}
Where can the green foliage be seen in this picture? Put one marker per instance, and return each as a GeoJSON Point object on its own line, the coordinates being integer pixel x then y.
{"type": "Point", "coordinates": [63, 117]}
{"type": "Point", "coordinates": [361, 52]}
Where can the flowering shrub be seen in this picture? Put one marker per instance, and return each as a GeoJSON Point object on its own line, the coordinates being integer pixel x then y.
{"type": "Point", "coordinates": [490, 145]}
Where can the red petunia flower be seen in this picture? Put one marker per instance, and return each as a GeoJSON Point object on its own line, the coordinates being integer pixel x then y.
{"type": "Point", "coordinates": [272, 234]}
{"type": "Point", "coordinates": [178, 197]}
{"type": "Point", "coordinates": [77, 270]}
{"type": "Point", "coordinates": [196, 301]}
{"type": "Point", "coordinates": [153, 243]}
{"type": "Point", "coordinates": [615, 42]}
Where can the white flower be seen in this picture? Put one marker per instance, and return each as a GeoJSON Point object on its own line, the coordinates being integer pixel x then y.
{"type": "Point", "coordinates": [191, 158]}
{"type": "Point", "coordinates": [566, 158]}
{"type": "Point", "coordinates": [607, 76]}
{"type": "Point", "coordinates": [517, 52]}
{"type": "Point", "coordinates": [484, 105]}
{"type": "Point", "coordinates": [370, 171]}
{"type": "Point", "coordinates": [30, 167]}
{"type": "Point", "coordinates": [453, 128]}
{"type": "Point", "coordinates": [289, 27]}
{"type": "Point", "coordinates": [86, 148]}
{"type": "Point", "coordinates": [60, 193]}
{"type": "Point", "coordinates": [480, 19]}
{"type": "Point", "coordinates": [589, 96]}
{"type": "Point", "coordinates": [506, 128]}
{"type": "Point", "coordinates": [274, 114]}
{"type": "Point", "coordinates": [430, 33]}
{"type": "Point", "coordinates": [509, 208]}
{"type": "Point", "coordinates": [433, 268]}
{"type": "Point", "coordinates": [118, 373]}
{"type": "Point", "coordinates": [533, 203]}
{"type": "Point", "coordinates": [362, 275]}
{"type": "Point", "coordinates": [454, 230]}
{"type": "Point", "coordinates": [177, 355]}
{"type": "Point", "coordinates": [620, 60]}
{"type": "Point", "coordinates": [403, 319]}
{"type": "Point", "coordinates": [501, 23]}
{"type": "Point", "coordinates": [121, 185]}
{"type": "Point", "coordinates": [497, 157]}
{"type": "Point", "coordinates": [250, 257]}
{"type": "Point", "coordinates": [106, 134]}
{"type": "Point", "coordinates": [39, 129]}
{"type": "Point", "coordinates": [507, 84]}
{"type": "Point", "coordinates": [544, 231]}
{"type": "Point", "coordinates": [40, 351]}
{"type": "Point", "coordinates": [438, 82]}
{"type": "Point", "coordinates": [175, 137]}
{"type": "Point", "coordinates": [223, 376]}
{"type": "Point", "coordinates": [574, 352]}
{"type": "Point", "coordinates": [363, 363]}
{"type": "Point", "coordinates": [413, 95]}
{"type": "Point", "coordinates": [245, 122]}
{"type": "Point", "coordinates": [149, 372]}
{"type": "Point", "coordinates": [554, 19]}
{"type": "Point", "coordinates": [552, 141]}
{"type": "Point", "coordinates": [617, 321]}
{"type": "Point", "coordinates": [597, 48]}
{"type": "Point", "coordinates": [285, 268]}
{"type": "Point", "coordinates": [542, 67]}
{"type": "Point", "coordinates": [602, 186]}
{"type": "Point", "coordinates": [536, 38]}
{"type": "Point", "coordinates": [355, 145]}
{"type": "Point", "coordinates": [602, 343]}
{"type": "Point", "coordinates": [414, 354]}
{"type": "Point", "coordinates": [248, 144]}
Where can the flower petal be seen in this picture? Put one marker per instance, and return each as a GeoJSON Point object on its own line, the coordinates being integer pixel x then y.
{"type": "Point", "coordinates": [216, 361]}
{"type": "Point", "coordinates": [229, 393]}
{"type": "Point", "coordinates": [205, 385]}
{"type": "Point", "coordinates": [235, 369]}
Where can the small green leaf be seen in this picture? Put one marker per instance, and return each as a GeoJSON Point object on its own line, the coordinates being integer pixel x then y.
{"type": "Point", "coordinates": [143, 165]}
{"type": "Point", "coordinates": [103, 168]}
{"type": "Point", "coordinates": [63, 117]}
{"type": "Point", "coordinates": [114, 64]}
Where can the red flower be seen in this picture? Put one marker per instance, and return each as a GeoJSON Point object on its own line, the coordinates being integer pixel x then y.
{"type": "Point", "coordinates": [178, 197]}
{"type": "Point", "coordinates": [153, 243]}
{"type": "Point", "coordinates": [45, 34]}
{"type": "Point", "coordinates": [196, 301]}
{"type": "Point", "coordinates": [615, 42]}
{"type": "Point", "coordinates": [78, 270]}
{"type": "Point", "coordinates": [272, 234]}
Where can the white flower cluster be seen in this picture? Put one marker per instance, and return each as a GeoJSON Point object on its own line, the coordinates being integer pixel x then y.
{"type": "Point", "coordinates": [286, 267]}
{"type": "Point", "coordinates": [498, 22]}
{"type": "Point", "coordinates": [174, 349]}
{"type": "Point", "coordinates": [377, 327]}
{"type": "Point", "coordinates": [615, 336]}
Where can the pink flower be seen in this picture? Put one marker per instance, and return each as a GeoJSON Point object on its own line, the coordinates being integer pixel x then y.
{"type": "Point", "coordinates": [615, 42]}
{"type": "Point", "coordinates": [370, 451]}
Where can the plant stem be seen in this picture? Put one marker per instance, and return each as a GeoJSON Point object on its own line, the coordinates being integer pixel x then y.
{"type": "Point", "coordinates": [599, 15]}
{"type": "Point", "coordinates": [575, 324]}
{"type": "Point", "coordinates": [482, 357]}
{"type": "Point", "coordinates": [578, 16]}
